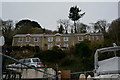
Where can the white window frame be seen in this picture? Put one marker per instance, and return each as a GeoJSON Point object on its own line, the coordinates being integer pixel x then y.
{"type": "Point", "coordinates": [57, 38]}
{"type": "Point", "coordinates": [36, 39]}
{"type": "Point", "coordinates": [80, 39]}
{"type": "Point", "coordinates": [65, 38]}
{"type": "Point", "coordinates": [20, 39]}
{"type": "Point", "coordinates": [50, 39]}
{"type": "Point", "coordinates": [66, 45]}
{"type": "Point", "coordinates": [50, 46]}
{"type": "Point", "coordinates": [28, 40]}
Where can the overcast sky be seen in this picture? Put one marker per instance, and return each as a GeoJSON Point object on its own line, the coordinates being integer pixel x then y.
{"type": "Point", "coordinates": [47, 13]}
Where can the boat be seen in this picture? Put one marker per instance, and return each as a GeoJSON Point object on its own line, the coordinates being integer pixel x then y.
{"type": "Point", "coordinates": [107, 69]}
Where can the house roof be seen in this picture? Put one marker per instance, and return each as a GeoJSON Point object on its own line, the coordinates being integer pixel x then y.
{"type": "Point", "coordinates": [37, 35]}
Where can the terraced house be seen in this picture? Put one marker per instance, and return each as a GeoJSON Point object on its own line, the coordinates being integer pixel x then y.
{"type": "Point", "coordinates": [47, 41]}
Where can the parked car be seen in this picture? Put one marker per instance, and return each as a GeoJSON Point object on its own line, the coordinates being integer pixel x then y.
{"type": "Point", "coordinates": [33, 62]}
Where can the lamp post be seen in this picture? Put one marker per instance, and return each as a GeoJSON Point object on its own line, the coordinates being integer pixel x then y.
{"type": "Point", "coordinates": [2, 41]}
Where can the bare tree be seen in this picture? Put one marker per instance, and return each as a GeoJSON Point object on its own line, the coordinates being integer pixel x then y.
{"type": "Point", "coordinates": [101, 26]}
{"type": "Point", "coordinates": [7, 30]}
{"type": "Point", "coordinates": [65, 23]}
{"type": "Point", "coordinates": [81, 27]}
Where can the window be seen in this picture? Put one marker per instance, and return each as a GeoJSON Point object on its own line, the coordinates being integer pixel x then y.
{"type": "Point", "coordinates": [36, 60]}
{"type": "Point", "coordinates": [80, 38]}
{"type": "Point", "coordinates": [66, 45]}
{"type": "Point", "coordinates": [27, 61]}
{"type": "Point", "coordinates": [50, 39]}
{"type": "Point", "coordinates": [36, 39]}
{"type": "Point", "coordinates": [20, 40]}
{"type": "Point", "coordinates": [22, 61]}
{"type": "Point", "coordinates": [65, 38]}
{"type": "Point", "coordinates": [50, 46]}
{"type": "Point", "coordinates": [27, 39]}
{"type": "Point", "coordinates": [57, 38]}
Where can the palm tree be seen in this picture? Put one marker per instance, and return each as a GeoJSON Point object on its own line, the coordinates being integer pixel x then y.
{"type": "Point", "coordinates": [74, 15]}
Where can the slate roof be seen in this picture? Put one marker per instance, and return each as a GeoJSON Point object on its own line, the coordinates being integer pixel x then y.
{"type": "Point", "coordinates": [23, 35]}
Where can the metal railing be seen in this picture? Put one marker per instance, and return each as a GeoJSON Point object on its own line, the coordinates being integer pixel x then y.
{"type": "Point", "coordinates": [11, 74]}
{"type": "Point", "coordinates": [14, 73]}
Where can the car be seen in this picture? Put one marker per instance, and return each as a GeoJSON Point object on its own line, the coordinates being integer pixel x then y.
{"type": "Point", "coordinates": [33, 62]}
{"type": "Point", "coordinates": [11, 65]}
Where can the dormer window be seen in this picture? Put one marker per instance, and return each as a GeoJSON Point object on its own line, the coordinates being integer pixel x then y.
{"type": "Point", "coordinates": [57, 34]}
{"type": "Point", "coordinates": [28, 39]}
{"type": "Point", "coordinates": [57, 38]}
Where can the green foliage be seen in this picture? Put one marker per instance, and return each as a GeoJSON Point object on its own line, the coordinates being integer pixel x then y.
{"type": "Point", "coordinates": [68, 61]}
{"type": "Point", "coordinates": [52, 56]}
{"type": "Point", "coordinates": [114, 31]}
{"type": "Point", "coordinates": [23, 52]}
{"type": "Point", "coordinates": [29, 27]}
{"type": "Point", "coordinates": [25, 23]}
{"type": "Point", "coordinates": [82, 49]}
{"type": "Point", "coordinates": [56, 48]}
{"type": "Point", "coordinates": [94, 45]}
{"type": "Point", "coordinates": [74, 15]}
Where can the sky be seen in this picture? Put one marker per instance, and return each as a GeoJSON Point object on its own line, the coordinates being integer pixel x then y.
{"type": "Point", "coordinates": [47, 13]}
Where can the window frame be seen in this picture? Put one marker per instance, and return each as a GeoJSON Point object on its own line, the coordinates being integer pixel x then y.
{"type": "Point", "coordinates": [36, 39]}
{"type": "Point", "coordinates": [50, 39]}
{"type": "Point", "coordinates": [66, 46]}
{"type": "Point", "coordinates": [28, 39]}
{"type": "Point", "coordinates": [20, 39]}
{"type": "Point", "coordinates": [80, 39]}
{"type": "Point", "coordinates": [65, 38]}
{"type": "Point", "coordinates": [57, 39]}
{"type": "Point", "coordinates": [50, 46]}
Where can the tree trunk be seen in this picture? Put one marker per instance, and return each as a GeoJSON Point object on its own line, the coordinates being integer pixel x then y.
{"type": "Point", "coordinates": [75, 27]}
